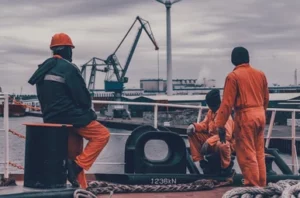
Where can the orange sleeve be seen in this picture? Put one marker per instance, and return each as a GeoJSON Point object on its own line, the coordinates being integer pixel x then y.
{"type": "Point", "coordinates": [266, 93]}
{"type": "Point", "coordinates": [229, 126]}
{"type": "Point", "coordinates": [202, 126]}
{"type": "Point", "coordinates": [229, 96]}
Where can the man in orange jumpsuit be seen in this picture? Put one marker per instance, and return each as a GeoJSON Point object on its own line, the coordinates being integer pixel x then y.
{"type": "Point", "coordinates": [64, 99]}
{"type": "Point", "coordinates": [203, 137]}
{"type": "Point", "coordinates": [246, 90]}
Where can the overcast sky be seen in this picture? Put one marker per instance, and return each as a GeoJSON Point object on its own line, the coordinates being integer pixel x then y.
{"type": "Point", "coordinates": [203, 35]}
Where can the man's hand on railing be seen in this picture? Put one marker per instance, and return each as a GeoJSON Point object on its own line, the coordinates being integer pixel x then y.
{"type": "Point", "coordinates": [222, 134]}
{"type": "Point", "coordinates": [190, 130]}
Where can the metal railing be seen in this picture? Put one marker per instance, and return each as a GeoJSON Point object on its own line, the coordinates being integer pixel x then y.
{"type": "Point", "coordinates": [293, 137]}
{"type": "Point", "coordinates": [4, 97]}
{"type": "Point", "coordinates": [294, 164]}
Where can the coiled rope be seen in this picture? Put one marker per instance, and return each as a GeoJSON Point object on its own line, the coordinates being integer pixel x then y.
{"type": "Point", "coordinates": [281, 189]}
{"type": "Point", "coordinates": [81, 193]}
{"type": "Point", "coordinates": [7, 182]}
{"type": "Point", "coordinates": [101, 187]}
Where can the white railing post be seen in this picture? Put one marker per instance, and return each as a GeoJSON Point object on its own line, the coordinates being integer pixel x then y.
{"type": "Point", "coordinates": [6, 128]}
{"type": "Point", "coordinates": [155, 115]}
{"type": "Point", "coordinates": [293, 140]}
{"type": "Point", "coordinates": [296, 158]}
{"type": "Point", "coordinates": [271, 124]}
{"type": "Point", "coordinates": [199, 114]}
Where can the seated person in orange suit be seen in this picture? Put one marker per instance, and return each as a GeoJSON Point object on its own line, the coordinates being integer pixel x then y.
{"type": "Point", "coordinates": [64, 99]}
{"type": "Point", "coordinates": [204, 139]}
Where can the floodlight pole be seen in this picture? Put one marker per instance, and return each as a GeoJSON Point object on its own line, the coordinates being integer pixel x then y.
{"type": "Point", "coordinates": [168, 5]}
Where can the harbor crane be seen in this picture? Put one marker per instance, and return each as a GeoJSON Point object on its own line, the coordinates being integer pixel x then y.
{"type": "Point", "coordinates": [115, 73]}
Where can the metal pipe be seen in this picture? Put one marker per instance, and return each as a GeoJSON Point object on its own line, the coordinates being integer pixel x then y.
{"type": "Point", "coordinates": [179, 106]}
{"type": "Point", "coordinates": [297, 163]}
{"type": "Point", "coordinates": [84, 75]}
{"type": "Point", "coordinates": [6, 129]}
{"type": "Point", "coordinates": [285, 169]}
{"type": "Point", "coordinates": [283, 137]}
{"type": "Point", "coordinates": [293, 140]}
{"type": "Point", "coordinates": [155, 116]}
{"type": "Point", "coordinates": [109, 163]}
{"type": "Point", "coordinates": [282, 109]}
{"type": "Point", "coordinates": [199, 115]}
{"type": "Point", "coordinates": [149, 104]}
{"type": "Point", "coordinates": [270, 128]}
{"type": "Point", "coordinates": [169, 52]}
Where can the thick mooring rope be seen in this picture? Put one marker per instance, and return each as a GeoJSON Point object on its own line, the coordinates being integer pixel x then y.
{"type": "Point", "coordinates": [281, 189]}
{"type": "Point", "coordinates": [7, 182]}
{"type": "Point", "coordinates": [101, 187]}
{"type": "Point", "coordinates": [81, 193]}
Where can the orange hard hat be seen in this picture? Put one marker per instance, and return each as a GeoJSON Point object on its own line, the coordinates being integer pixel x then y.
{"type": "Point", "coordinates": [61, 39]}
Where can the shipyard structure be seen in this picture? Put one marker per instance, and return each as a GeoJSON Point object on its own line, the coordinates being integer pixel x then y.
{"type": "Point", "coordinates": [192, 92]}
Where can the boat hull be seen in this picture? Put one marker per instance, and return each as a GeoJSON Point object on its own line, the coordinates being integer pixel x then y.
{"type": "Point", "coordinates": [15, 110]}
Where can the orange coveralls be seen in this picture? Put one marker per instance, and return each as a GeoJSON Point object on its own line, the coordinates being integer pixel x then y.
{"type": "Point", "coordinates": [246, 89]}
{"type": "Point", "coordinates": [98, 136]}
{"type": "Point", "coordinates": [205, 131]}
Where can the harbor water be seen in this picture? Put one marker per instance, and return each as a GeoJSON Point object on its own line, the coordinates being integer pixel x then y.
{"type": "Point", "coordinates": [112, 153]}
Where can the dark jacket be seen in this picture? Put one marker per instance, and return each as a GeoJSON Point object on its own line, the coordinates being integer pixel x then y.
{"type": "Point", "coordinates": [62, 93]}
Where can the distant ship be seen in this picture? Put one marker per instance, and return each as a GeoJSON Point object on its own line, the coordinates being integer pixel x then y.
{"type": "Point", "coordinates": [16, 108]}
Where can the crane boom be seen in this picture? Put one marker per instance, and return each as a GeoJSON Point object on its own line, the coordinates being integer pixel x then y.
{"type": "Point", "coordinates": [150, 35]}
{"type": "Point", "coordinates": [131, 52]}
{"type": "Point", "coordinates": [114, 64]}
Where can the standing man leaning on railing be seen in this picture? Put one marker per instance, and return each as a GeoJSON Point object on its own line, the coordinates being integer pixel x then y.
{"type": "Point", "coordinates": [65, 99]}
{"type": "Point", "coordinates": [246, 90]}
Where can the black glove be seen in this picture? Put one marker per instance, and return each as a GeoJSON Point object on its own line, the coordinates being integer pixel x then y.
{"type": "Point", "coordinates": [204, 148]}
{"type": "Point", "coordinates": [93, 113]}
{"type": "Point", "coordinates": [222, 135]}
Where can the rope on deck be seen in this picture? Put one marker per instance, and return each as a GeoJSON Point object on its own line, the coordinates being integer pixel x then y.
{"type": "Point", "coordinates": [102, 187]}
{"type": "Point", "coordinates": [7, 182]}
{"type": "Point", "coordinates": [280, 189]}
{"type": "Point", "coordinates": [81, 193]}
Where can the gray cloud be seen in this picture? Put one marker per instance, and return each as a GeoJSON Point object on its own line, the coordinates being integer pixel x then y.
{"type": "Point", "coordinates": [203, 35]}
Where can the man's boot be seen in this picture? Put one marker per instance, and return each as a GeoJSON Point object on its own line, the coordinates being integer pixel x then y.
{"type": "Point", "coordinates": [204, 166]}
{"type": "Point", "coordinates": [227, 171]}
{"type": "Point", "coordinates": [73, 171]}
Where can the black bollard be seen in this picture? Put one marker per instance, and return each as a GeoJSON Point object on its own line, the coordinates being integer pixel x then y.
{"type": "Point", "coordinates": [46, 152]}
{"type": "Point", "coordinates": [269, 160]}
